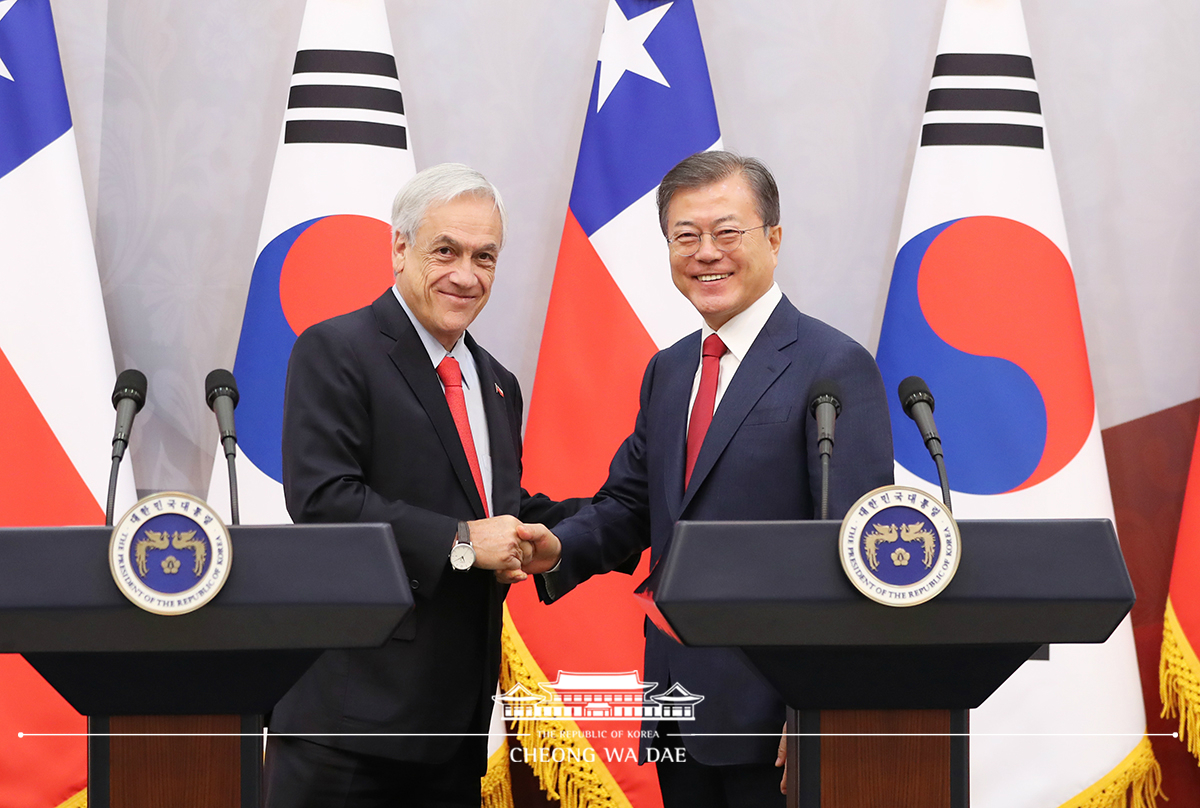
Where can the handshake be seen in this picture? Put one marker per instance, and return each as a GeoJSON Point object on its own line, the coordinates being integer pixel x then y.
{"type": "Point", "coordinates": [513, 549]}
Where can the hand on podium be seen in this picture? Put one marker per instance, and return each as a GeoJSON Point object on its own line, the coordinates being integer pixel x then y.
{"type": "Point", "coordinates": [781, 758]}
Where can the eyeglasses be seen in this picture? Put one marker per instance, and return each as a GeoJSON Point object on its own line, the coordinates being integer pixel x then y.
{"type": "Point", "coordinates": [725, 239]}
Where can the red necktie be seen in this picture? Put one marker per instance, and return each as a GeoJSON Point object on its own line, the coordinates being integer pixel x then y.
{"type": "Point", "coordinates": [706, 400]}
{"type": "Point", "coordinates": [451, 375]}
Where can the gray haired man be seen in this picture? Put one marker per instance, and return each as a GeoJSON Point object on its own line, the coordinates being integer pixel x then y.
{"type": "Point", "coordinates": [393, 413]}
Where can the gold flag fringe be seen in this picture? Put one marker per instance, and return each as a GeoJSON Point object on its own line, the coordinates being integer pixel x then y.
{"type": "Point", "coordinates": [495, 787]}
{"type": "Point", "coordinates": [77, 800]}
{"type": "Point", "coordinates": [1179, 680]}
{"type": "Point", "coordinates": [1136, 782]}
{"type": "Point", "coordinates": [579, 779]}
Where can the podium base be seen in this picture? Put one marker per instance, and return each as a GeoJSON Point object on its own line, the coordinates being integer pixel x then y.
{"type": "Point", "coordinates": [867, 758]}
{"type": "Point", "coordinates": [201, 761]}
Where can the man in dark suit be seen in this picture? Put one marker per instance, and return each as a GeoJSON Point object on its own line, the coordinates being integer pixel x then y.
{"type": "Point", "coordinates": [749, 371]}
{"type": "Point", "coordinates": [394, 414]}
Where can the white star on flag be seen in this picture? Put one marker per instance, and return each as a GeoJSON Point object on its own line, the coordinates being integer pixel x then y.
{"type": "Point", "coordinates": [5, 6]}
{"type": "Point", "coordinates": [623, 48]}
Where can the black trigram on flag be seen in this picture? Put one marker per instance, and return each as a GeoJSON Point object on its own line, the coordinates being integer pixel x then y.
{"type": "Point", "coordinates": [343, 96]}
{"type": "Point", "coordinates": [983, 99]}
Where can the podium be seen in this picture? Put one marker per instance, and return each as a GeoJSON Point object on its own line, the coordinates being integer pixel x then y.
{"type": "Point", "coordinates": [777, 591]}
{"type": "Point", "coordinates": [175, 703]}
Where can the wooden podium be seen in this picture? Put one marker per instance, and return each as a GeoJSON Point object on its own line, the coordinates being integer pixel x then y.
{"type": "Point", "coordinates": [175, 704]}
{"type": "Point", "coordinates": [882, 692]}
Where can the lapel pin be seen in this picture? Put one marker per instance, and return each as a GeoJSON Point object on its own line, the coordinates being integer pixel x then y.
{"type": "Point", "coordinates": [498, 390]}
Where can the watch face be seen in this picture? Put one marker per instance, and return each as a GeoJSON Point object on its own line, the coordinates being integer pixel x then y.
{"type": "Point", "coordinates": [462, 556]}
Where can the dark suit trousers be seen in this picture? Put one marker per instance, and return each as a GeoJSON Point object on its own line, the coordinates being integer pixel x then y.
{"type": "Point", "coordinates": [690, 784]}
{"type": "Point", "coordinates": [303, 774]}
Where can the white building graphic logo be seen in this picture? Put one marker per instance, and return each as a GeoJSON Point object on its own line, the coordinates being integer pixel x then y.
{"type": "Point", "coordinates": [599, 697]}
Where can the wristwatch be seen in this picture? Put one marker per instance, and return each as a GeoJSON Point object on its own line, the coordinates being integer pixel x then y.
{"type": "Point", "coordinates": [462, 554]}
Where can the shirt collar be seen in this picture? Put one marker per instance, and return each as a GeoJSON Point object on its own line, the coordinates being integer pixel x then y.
{"type": "Point", "coordinates": [743, 328]}
{"type": "Point", "coordinates": [437, 351]}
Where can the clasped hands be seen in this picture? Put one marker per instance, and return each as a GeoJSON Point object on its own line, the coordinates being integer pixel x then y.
{"type": "Point", "coordinates": [513, 549]}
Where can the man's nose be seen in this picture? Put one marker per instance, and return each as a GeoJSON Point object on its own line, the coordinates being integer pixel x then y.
{"type": "Point", "coordinates": [708, 248]}
{"type": "Point", "coordinates": [462, 273]}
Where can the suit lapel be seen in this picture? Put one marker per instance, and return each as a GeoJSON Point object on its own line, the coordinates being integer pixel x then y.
{"type": "Point", "coordinates": [505, 465]}
{"type": "Point", "coordinates": [762, 365]}
{"type": "Point", "coordinates": [677, 393]}
{"type": "Point", "coordinates": [412, 360]}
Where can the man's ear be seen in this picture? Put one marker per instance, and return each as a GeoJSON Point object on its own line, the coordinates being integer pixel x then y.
{"type": "Point", "coordinates": [399, 254]}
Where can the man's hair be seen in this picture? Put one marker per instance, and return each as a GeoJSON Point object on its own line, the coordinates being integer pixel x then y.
{"type": "Point", "coordinates": [437, 186]}
{"type": "Point", "coordinates": [704, 168]}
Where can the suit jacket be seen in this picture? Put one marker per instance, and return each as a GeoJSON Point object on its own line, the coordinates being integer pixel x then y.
{"type": "Point", "coordinates": [758, 461]}
{"type": "Point", "coordinates": [368, 437]}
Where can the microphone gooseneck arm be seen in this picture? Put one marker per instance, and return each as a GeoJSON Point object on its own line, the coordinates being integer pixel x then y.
{"type": "Point", "coordinates": [825, 406]}
{"type": "Point", "coordinates": [128, 398]}
{"type": "Point", "coordinates": [111, 502]}
{"type": "Point", "coordinates": [221, 393]}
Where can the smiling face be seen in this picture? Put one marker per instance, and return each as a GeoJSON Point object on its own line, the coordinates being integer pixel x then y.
{"type": "Point", "coordinates": [445, 274]}
{"type": "Point", "coordinates": [717, 283]}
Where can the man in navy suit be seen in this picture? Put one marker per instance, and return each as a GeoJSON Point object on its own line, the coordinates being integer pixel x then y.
{"type": "Point", "coordinates": [749, 371]}
{"type": "Point", "coordinates": [394, 414]}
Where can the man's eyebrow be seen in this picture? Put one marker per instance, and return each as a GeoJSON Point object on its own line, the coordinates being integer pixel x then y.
{"type": "Point", "coordinates": [449, 241]}
{"type": "Point", "coordinates": [719, 220]}
{"type": "Point", "coordinates": [443, 239]}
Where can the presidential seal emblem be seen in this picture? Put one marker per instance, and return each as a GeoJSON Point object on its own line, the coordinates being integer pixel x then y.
{"type": "Point", "coordinates": [170, 553]}
{"type": "Point", "coordinates": [899, 546]}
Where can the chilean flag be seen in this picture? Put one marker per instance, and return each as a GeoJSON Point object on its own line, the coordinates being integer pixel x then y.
{"type": "Point", "coordinates": [325, 244]}
{"type": "Point", "coordinates": [612, 306]}
{"type": "Point", "coordinates": [56, 375]}
{"type": "Point", "coordinates": [982, 305]}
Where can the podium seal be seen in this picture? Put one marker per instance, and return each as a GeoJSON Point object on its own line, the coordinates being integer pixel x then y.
{"type": "Point", "coordinates": [170, 554]}
{"type": "Point", "coordinates": [899, 546]}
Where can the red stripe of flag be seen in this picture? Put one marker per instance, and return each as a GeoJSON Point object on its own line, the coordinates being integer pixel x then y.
{"type": "Point", "coordinates": [39, 482]}
{"type": "Point", "coordinates": [40, 486]}
{"type": "Point", "coordinates": [1185, 574]}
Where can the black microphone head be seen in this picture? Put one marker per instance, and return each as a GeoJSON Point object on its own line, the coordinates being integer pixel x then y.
{"type": "Point", "coordinates": [912, 390]}
{"type": "Point", "coordinates": [131, 384]}
{"type": "Point", "coordinates": [825, 391]}
{"type": "Point", "coordinates": [220, 382]}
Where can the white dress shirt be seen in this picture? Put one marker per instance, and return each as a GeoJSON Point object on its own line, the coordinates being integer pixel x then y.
{"type": "Point", "coordinates": [471, 393]}
{"type": "Point", "coordinates": [738, 335]}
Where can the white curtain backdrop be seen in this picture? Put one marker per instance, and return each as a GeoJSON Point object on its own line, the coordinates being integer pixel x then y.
{"type": "Point", "coordinates": [178, 109]}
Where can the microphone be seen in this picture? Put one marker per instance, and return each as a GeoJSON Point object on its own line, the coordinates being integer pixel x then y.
{"type": "Point", "coordinates": [128, 398]}
{"type": "Point", "coordinates": [221, 393]}
{"type": "Point", "coordinates": [918, 405]}
{"type": "Point", "coordinates": [825, 406]}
